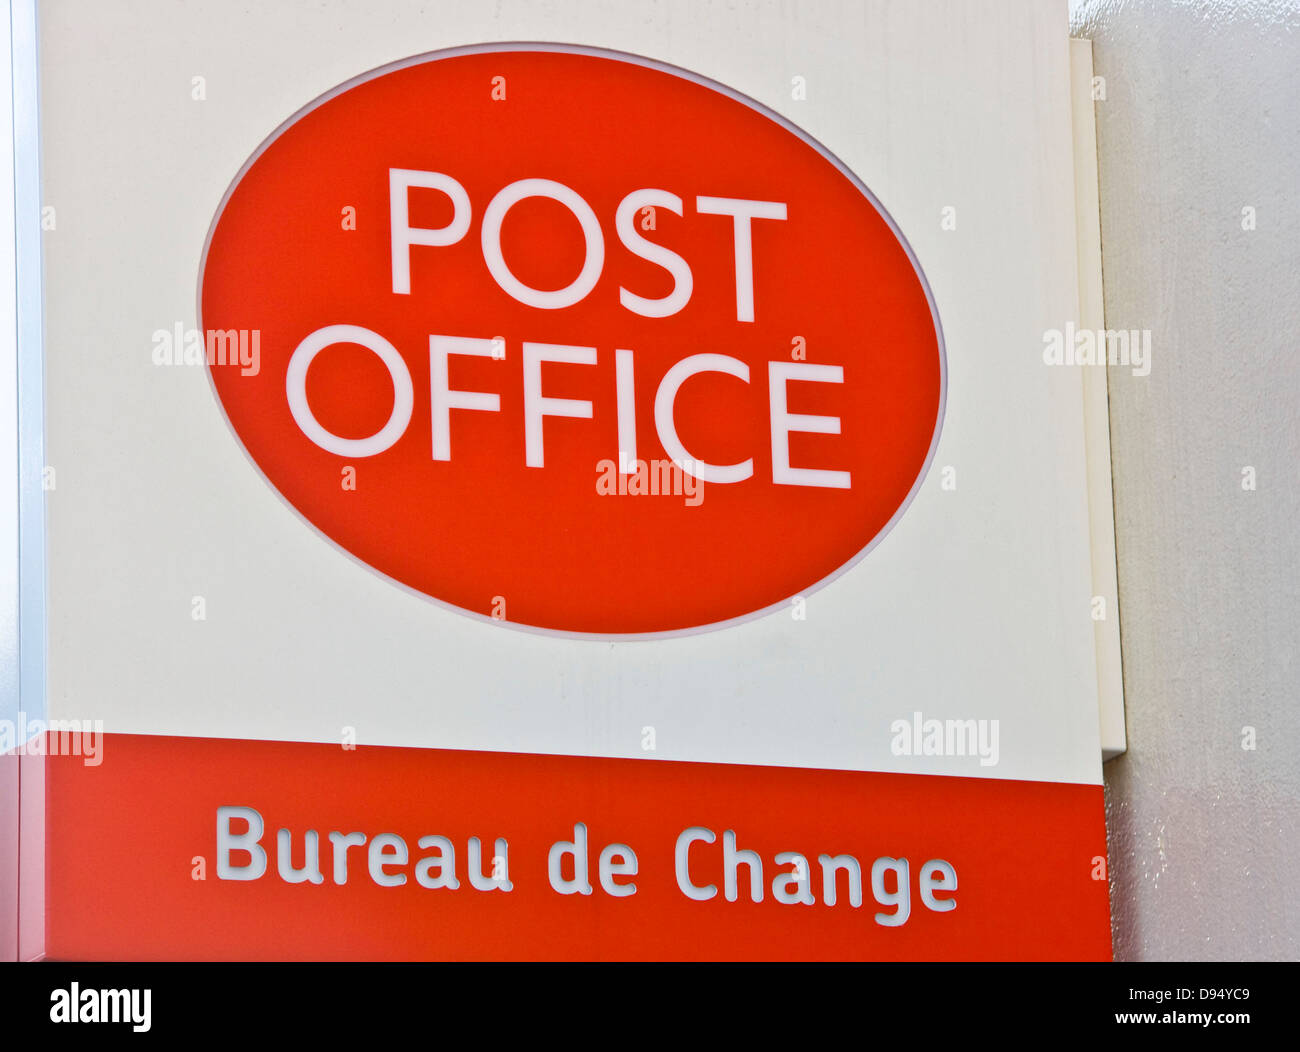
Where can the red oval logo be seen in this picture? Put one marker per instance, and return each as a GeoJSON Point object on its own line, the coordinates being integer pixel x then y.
{"type": "Point", "coordinates": [573, 340]}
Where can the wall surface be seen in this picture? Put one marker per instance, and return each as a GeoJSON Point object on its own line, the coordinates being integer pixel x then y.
{"type": "Point", "coordinates": [1200, 125]}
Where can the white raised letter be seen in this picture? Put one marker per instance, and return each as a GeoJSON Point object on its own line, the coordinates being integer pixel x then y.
{"type": "Point", "coordinates": [387, 849]}
{"type": "Point", "coordinates": [742, 212]}
{"type": "Point", "coordinates": [609, 869]}
{"type": "Point", "coordinates": [625, 223]}
{"type": "Point", "coordinates": [577, 850]}
{"type": "Point", "coordinates": [900, 897]}
{"type": "Point", "coordinates": [625, 390]}
{"type": "Point", "coordinates": [938, 875]}
{"type": "Point", "coordinates": [665, 400]}
{"type": "Point", "coordinates": [400, 180]}
{"type": "Point", "coordinates": [249, 841]}
{"type": "Point", "coordinates": [682, 863]}
{"type": "Point", "coordinates": [311, 858]}
{"type": "Point", "coordinates": [295, 385]}
{"type": "Point", "coordinates": [536, 407]}
{"type": "Point", "coordinates": [783, 422]}
{"type": "Point", "coordinates": [341, 842]}
{"type": "Point", "coordinates": [732, 860]}
{"type": "Point", "coordinates": [594, 260]}
{"type": "Point", "coordinates": [831, 865]}
{"type": "Point", "coordinates": [443, 398]}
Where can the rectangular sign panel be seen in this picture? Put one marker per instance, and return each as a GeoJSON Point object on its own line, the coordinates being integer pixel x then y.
{"type": "Point", "coordinates": [582, 485]}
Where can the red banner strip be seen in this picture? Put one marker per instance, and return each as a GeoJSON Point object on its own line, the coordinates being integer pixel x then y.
{"type": "Point", "coordinates": [135, 862]}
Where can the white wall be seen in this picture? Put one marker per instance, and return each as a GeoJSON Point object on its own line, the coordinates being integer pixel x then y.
{"type": "Point", "coordinates": [1201, 119]}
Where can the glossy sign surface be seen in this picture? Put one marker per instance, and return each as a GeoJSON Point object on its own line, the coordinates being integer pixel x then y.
{"type": "Point", "coordinates": [572, 340]}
